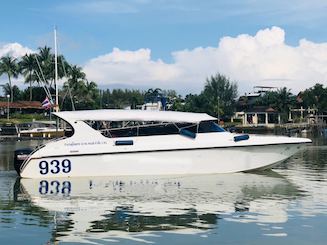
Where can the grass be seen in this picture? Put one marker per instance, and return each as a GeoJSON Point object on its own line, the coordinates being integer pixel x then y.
{"type": "Point", "coordinates": [21, 118]}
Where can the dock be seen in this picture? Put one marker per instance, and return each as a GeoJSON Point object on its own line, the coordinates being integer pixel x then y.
{"type": "Point", "coordinates": [283, 129]}
{"type": "Point", "coordinates": [11, 132]}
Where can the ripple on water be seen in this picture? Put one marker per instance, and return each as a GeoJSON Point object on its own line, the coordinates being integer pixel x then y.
{"type": "Point", "coordinates": [143, 210]}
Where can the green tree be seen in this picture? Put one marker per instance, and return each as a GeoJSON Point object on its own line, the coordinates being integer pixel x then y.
{"type": "Point", "coordinates": [152, 94]}
{"type": "Point", "coordinates": [46, 60]}
{"type": "Point", "coordinates": [221, 94]}
{"type": "Point", "coordinates": [91, 95]}
{"type": "Point", "coordinates": [16, 93]}
{"type": "Point", "coordinates": [315, 97]}
{"type": "Point", "coordinates": [75, 77]}
{"type": "Point", "coordinates": [46, 70]}
{"type": "Point", "coordinates": [284, 100]}
{"type": "Point", "coordinates": [119, 98]}
{"type": "Point", "coordinates": [27, 67]}
{"type": "Point", "coordinates": [84, 93]}
{"type": "Point", "coordinates": [8, 65]}
{"type": "Point", "coordinates": [74, 88]}
{"type": "Point", "coordinates": [194, 103]}
{"type": "Point", "coordinates": [281, 100]}
{"type": "Point", "coordinates": [6, 89]}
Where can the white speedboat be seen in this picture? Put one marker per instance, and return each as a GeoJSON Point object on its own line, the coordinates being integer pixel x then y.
{"type": "Point", "coordinates": [135, 142]}
{"type": "Point", "coordinates": [39, 129]}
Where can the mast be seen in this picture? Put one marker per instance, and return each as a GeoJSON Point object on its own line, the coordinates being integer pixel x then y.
{"type": "Point", "coordinates": [56, 69]}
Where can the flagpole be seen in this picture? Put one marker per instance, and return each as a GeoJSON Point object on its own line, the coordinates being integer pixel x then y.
{"type": "Point", "coordinates": [56, 78]}
{"type": "Point", "coordinates": [56, 69]}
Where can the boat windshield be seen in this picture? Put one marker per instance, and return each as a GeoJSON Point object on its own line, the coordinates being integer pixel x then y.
{"type": "Point", "coordinates": [117, 129]}
{"type": "Point", "coordinates": [209, 127]}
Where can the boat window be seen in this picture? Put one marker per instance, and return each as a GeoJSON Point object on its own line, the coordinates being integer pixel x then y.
{"type": "Point", "coordinates": [209, 127]}
{"type": "Point", "coordinates": [121, 132]}
{"type": "Point", "coordinates": [188, 126]}
{"type": "Point", "coordinates": [118, 129]}
{"type": "Point", "coordinates": [161, 129]}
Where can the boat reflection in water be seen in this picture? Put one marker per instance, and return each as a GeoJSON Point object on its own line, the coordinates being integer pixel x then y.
{"type": "Point", "coordinates": [137, 208]}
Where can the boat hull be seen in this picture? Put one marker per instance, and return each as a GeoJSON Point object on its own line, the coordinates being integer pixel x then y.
{"type": "Point", "coordinates": [165, 162]}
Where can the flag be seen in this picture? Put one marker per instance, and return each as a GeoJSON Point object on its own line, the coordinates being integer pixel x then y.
{"type": "Point", "coordinates": [46, 104]}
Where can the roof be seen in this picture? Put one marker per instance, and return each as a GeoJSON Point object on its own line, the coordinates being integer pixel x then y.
{"type": "Point", "coordinates": [133, 115]}
{"type": "Point", "coordinates": [22, 104]}
{"type": "Point", "coordinates": [260, 109]}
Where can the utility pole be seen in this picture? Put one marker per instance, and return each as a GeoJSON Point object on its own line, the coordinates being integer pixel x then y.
{"type": "Point", "coordinates": [8, 108]}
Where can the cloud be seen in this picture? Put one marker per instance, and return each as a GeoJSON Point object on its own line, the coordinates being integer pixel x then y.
{"type": "Point", "coordinates": [131, 68]}
{"type": "Point", "coordinates": [14, 49]}
{"type": "Point", "coordinates": [250, 60]}
{"type": "Point", "coordinates": [262, 59]}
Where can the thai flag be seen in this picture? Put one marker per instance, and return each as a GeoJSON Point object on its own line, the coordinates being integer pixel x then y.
{"type": "Point", "coordinates": [46, 104]}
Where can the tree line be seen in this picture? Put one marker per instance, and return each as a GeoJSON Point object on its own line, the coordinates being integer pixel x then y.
{"type": "Point", "coordinates": [218, 97]}
{"type": "Point", "coordinates": [37, 70]}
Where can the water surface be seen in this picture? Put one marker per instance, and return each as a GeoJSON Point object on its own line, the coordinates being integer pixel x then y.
{"type": "Point", "coordinates": [287, 205]}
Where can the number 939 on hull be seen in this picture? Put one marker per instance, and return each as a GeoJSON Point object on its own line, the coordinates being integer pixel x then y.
{"type": "Point", "coordinates": [48, 167]}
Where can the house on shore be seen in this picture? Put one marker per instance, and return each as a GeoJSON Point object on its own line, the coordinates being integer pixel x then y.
{"type": "Point", "coordinates": [21, 107]}
{"type": "Point", "coordinates": [258, 116]}
{"type": "Point", "coordinates": [250, 114]}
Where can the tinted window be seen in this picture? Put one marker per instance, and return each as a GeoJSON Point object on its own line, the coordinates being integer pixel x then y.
{"type": "Point", "coordinates": [188, 126]}
{"type": "Point", "coordinates": [162, 129]}
{"type": "Point", "coordinates": [209, 126]}
{"type": "Point", "coordinates": [123, 132]}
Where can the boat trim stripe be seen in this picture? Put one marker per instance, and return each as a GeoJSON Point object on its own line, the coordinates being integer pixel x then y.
{"type": "Point", "coordinates": [150, 151]}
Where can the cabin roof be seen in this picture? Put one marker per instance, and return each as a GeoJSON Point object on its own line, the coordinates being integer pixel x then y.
{"type": "Point", "coordinates": [134, 115]}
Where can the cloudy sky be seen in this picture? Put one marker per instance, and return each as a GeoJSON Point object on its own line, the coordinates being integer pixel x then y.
{"type": "Point", "coordinates": [176, 44]}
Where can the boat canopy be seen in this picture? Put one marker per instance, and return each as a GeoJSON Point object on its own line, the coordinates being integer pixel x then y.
{"type": "Point", "coordinates": [133, 115]}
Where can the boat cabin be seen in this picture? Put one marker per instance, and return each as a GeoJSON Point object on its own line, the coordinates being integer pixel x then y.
{"type": "Point", "coordinates": [134, 123]}
{"type": "Point", "coordinates": [117, 129]}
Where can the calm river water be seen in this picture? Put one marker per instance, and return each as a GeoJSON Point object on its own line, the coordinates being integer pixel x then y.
{"type": "Point", "coordinates": [287, 205]}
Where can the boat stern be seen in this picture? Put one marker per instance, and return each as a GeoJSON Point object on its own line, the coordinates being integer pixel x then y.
{"type": "Point", "coordinates": [20, 156]}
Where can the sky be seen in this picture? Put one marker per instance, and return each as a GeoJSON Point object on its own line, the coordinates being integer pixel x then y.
{"type": "Point", "coordinates": [176, 44]}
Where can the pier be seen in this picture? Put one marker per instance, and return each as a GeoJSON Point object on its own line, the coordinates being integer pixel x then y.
{"type": "Point", "coordinates": [12, 132]}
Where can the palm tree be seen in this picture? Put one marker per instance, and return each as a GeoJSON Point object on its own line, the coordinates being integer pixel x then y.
{"type": "Point", "coordinates": [75, 85]}
{"type": "Point", "coordinates": [63, 66]}
{"type": "Point", "coordinates": [148, 95]}
{"type": "Point", "coordinates": [75, 76]}
{"type": "Point", "coordinates": [27, 67]}
{"type": "Point", "coordinates": [45, 58]}
{"type": "Point", "coordinates": [9, 66]}
{"type": "Point", "coordinates": [6, 88]}
{"type": "Point", "coordinates": [315, 97]}
{"type": "Point", "coordinates": [284, 101]}
{"type": "Point", "coordinates": [152, 94]}
{"type": "Point", "coordinates": [91, 95]}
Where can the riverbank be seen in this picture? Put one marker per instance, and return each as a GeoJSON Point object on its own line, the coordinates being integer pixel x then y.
{"type": "Point", "coordinates": [283, 129]}
{"type": "Point", "coordinates": [11, 131]}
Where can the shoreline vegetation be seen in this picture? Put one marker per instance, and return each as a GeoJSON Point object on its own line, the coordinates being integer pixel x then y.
{"type": "Point", "coordinates": [218, 98]}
